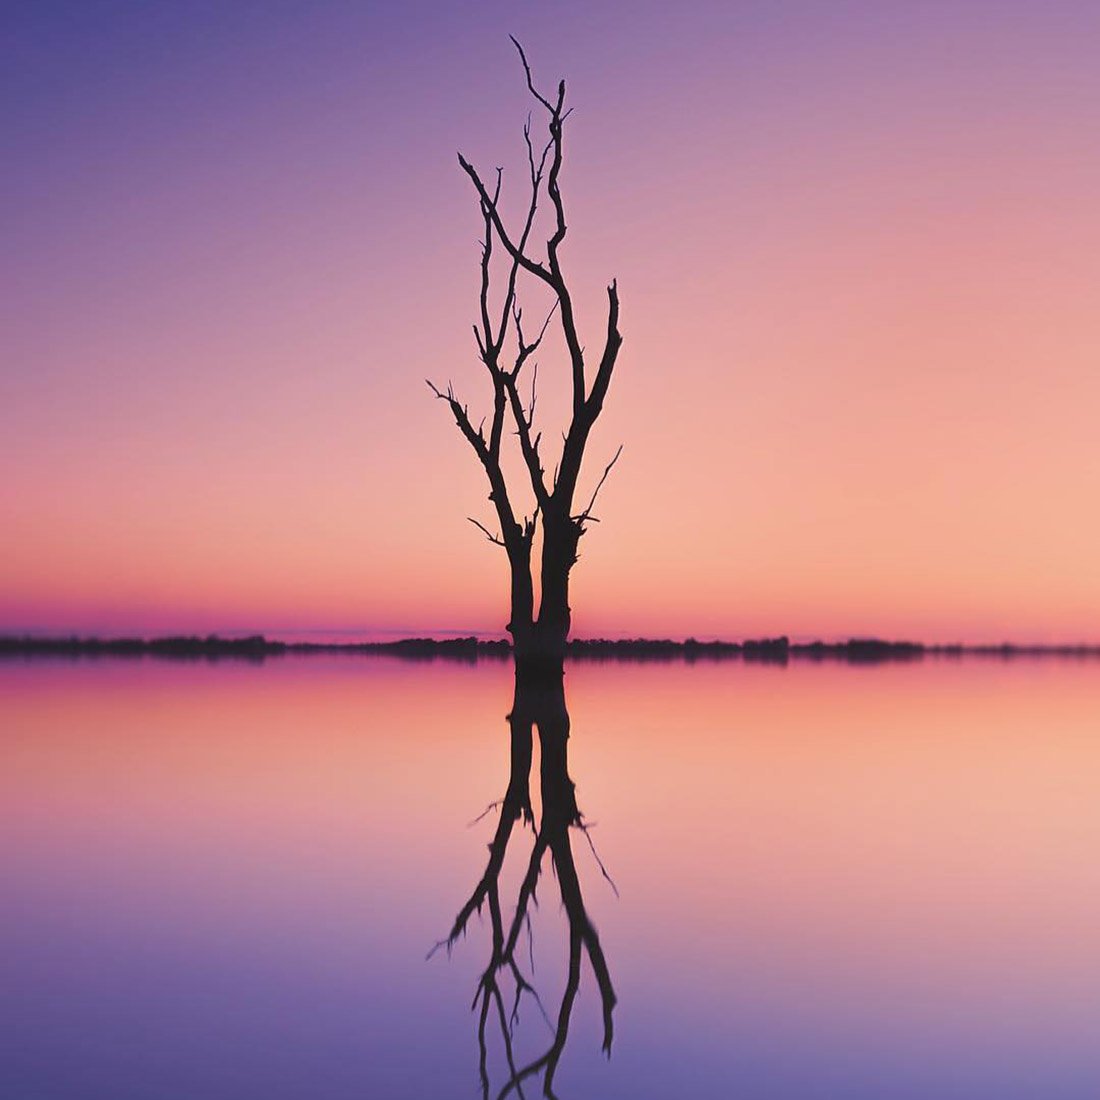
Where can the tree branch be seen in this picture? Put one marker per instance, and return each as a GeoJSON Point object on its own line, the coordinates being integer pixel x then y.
{"type": "Point", "coordinates": [524, 261]}
{"type": "Point", "coordinates": [484, 344]}
{"type": "Point", "coordinates": [613, 342]}
{"type": "Point", "coordinates": [462, 419]}
{"type": "Point", "coordinates": [528, 447]}
{"type": "Point", "coordinates": [587, 513]}
{"type": "Point", "coordinates": [581, 426]}
{"type": "Point", "coordinates": [554, 276]}
{"type": "Point", "coordinates": [495, 539]}
{"type": "Point", "coordinates": [511, 532]}
{"type": "Point", "coordinates": [527, 69]}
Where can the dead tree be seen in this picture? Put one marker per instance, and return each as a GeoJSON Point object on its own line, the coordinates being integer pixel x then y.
{"type": "Point", "coordinates": [506, 351]}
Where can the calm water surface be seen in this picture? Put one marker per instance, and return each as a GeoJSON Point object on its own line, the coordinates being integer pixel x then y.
{"type": "Point", "coordinates": [222, 880]}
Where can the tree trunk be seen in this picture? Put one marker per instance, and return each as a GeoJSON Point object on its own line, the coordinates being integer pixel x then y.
{"type": "Point", "coordinates": [521, 622]}
{"type": "Point", "coordinates": [539, 644]}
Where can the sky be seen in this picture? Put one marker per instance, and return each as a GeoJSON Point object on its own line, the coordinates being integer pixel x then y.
{"type": "Point", "coordinates": [857, 246]}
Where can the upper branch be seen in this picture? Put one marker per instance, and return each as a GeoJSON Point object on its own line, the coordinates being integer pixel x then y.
{"type": "Point", "coordinates": [577, 438]}
{"type": "Point", "coordinates": [544, 171]}
{"type": "Point", "coordinates": [556, 279]}
{"type": "Point", "coordinates": [530, 82]}
{"type": "Point", "coordinates": [610, 353]}
{"type": "Point", "coordinates": [485, 338]}
{"type": "Point", "coordinates": [509, 245]}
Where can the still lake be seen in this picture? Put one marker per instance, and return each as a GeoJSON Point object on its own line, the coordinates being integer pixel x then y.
{"type": "Point", "coordinates": [221, 880]}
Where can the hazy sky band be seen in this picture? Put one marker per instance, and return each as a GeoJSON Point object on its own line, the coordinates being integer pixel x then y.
{"type": "Point", "coordinates": [857, 246]}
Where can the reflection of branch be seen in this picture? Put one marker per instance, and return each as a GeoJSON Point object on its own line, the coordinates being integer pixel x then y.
{"type": "Point", "coordinates": [549, 1060]}
{"type": "Point", "coordinates": [595, 855]}
{"type": "Point", "coordinates": [515, 804]}
{"type": "Point", "coordinates": [485, 813]}
{"type": "Point", "coordinates": [581, 924]}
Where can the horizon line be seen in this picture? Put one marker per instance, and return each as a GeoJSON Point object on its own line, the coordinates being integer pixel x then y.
{"type": "Point", "coordinates": [857, 649]}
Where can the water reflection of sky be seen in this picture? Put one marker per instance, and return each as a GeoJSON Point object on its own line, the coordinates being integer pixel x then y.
{"type": "Point", "coordinates": [221, 880]}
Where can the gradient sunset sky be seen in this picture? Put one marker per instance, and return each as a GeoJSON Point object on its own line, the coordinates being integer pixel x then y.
{"type": "Point", "coordinates": [857, 244]}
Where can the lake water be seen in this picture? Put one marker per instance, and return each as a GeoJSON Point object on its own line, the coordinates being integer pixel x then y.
{"type": "Point", "coordinates": [221, 880]}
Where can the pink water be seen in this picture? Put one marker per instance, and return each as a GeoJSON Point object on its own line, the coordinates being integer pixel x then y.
{"type": "Point", "coordinates": [221, 880]}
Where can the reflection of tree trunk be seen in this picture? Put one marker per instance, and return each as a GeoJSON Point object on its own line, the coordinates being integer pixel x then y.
{"type": "Point", "coordinates": [540, 656]}
{"type": "Point", "coordinates": [559, 814]}
{"type": "Point", "coordinates": [538, 703]}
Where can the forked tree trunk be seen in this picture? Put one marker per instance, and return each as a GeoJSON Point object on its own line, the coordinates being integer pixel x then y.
{"type": "Point", "coordinates": [541, 655]}
{"type": "Point", "coordinates": [539, 641]}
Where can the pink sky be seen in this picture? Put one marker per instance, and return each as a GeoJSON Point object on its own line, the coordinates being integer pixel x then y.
{"type": "Point", "coordinates": [858, 249]}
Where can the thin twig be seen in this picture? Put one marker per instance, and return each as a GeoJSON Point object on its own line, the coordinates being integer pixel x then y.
{"type": "Point", "coordinates": [587, 513]}
{"type": "Point", "coordinates": [495, 539]}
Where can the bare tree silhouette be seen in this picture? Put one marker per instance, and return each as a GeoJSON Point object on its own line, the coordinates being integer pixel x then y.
{"type": "Point", "coordinates": [538, 639]}
{"type": "Point", "coordinates": [542, 706]}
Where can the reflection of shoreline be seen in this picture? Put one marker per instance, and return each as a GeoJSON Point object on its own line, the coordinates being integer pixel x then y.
{"type": "Point", "coordinates": [780, 650]}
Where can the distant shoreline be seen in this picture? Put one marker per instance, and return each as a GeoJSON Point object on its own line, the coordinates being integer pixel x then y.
{"type": "Point", "coordinates": [778, 650]}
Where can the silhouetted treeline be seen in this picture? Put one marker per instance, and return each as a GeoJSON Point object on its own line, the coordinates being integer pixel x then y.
{"type": "Point", "coordinates": [779, 650]}
{"type": "Point", "coordinates": [254, 647]}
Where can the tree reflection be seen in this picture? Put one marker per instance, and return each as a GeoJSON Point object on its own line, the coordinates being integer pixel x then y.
{"type": "Point", "coordinates": [503, 984]}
